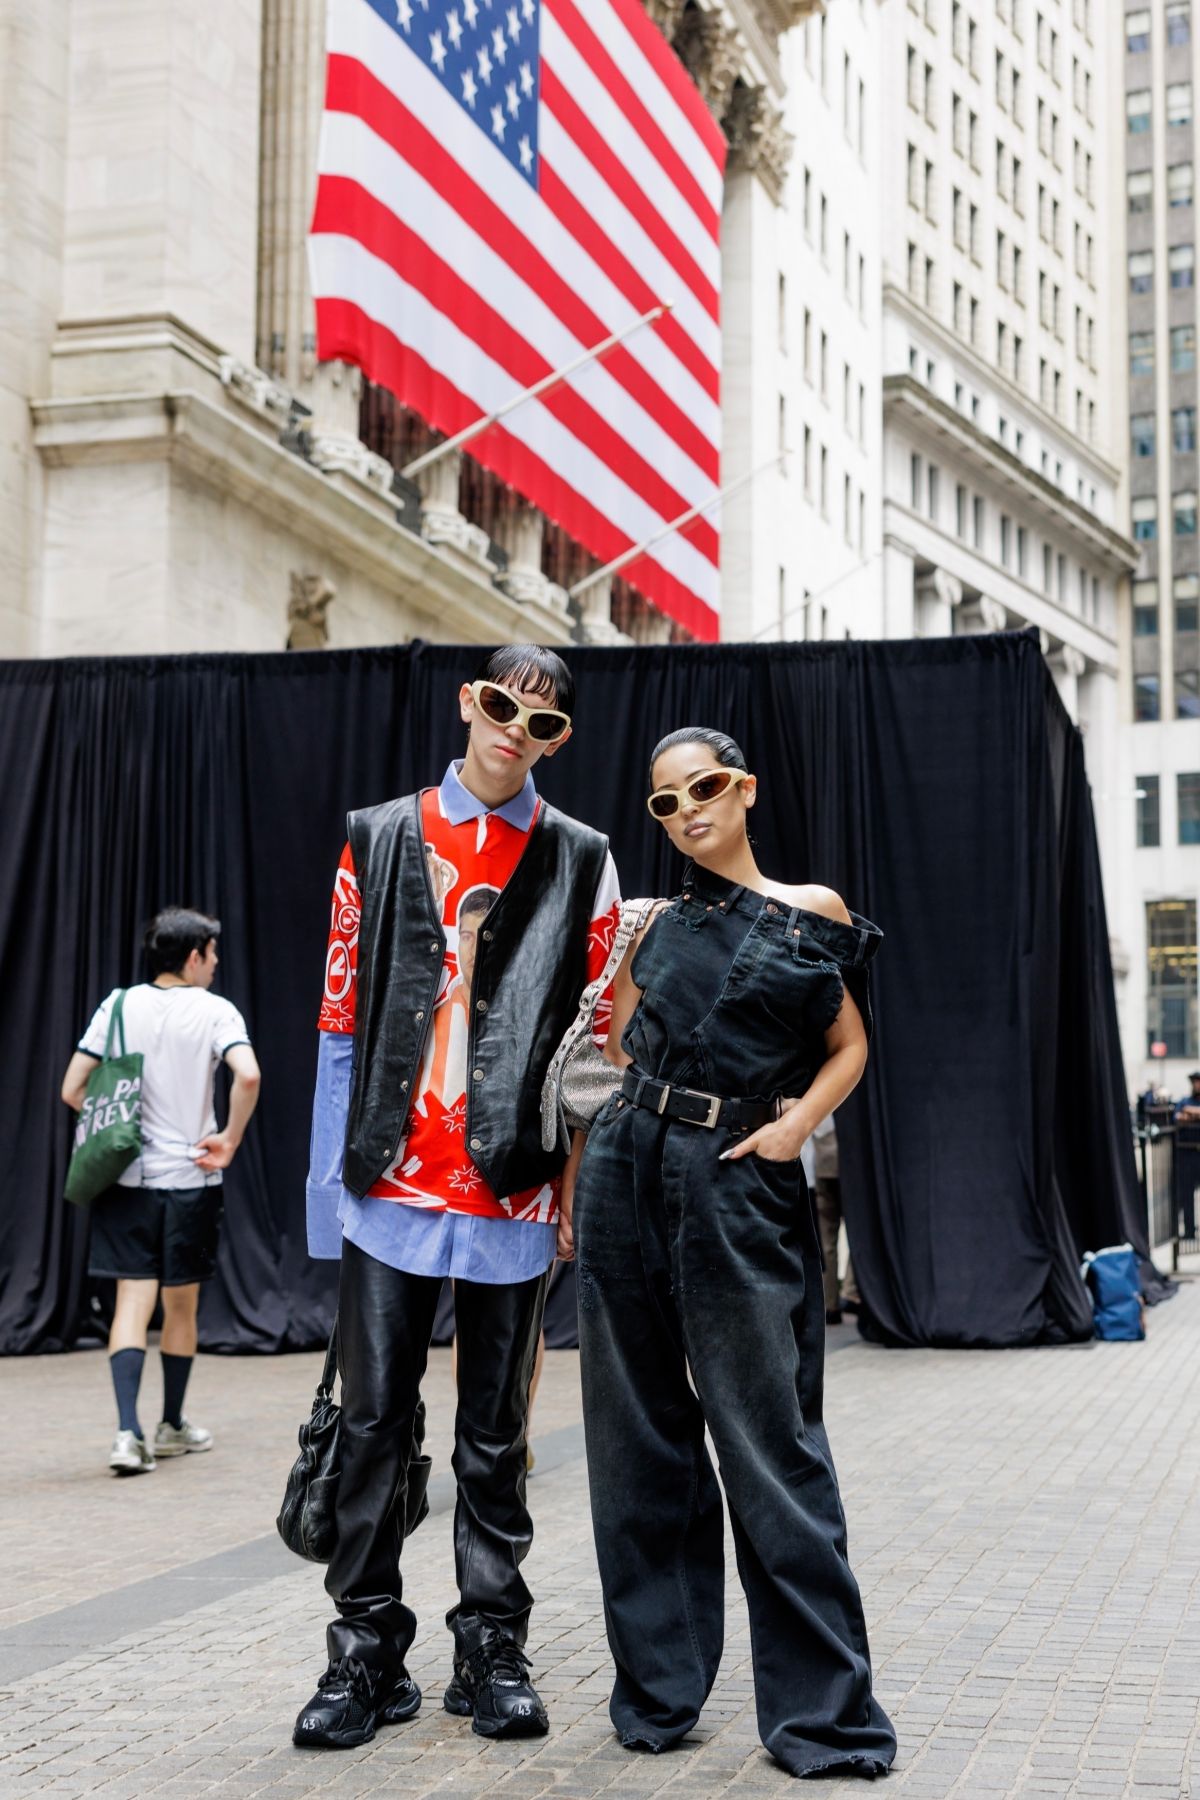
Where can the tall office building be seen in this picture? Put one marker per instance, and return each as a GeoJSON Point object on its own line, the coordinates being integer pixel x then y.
{"type": "Point", "coordinates": [1154, 56]}
{"type": "Point", "coordinates": [1002, 461]}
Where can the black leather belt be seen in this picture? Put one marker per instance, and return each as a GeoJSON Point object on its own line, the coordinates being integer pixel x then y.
{"type": "Point", "coordinates": [692, 1107]}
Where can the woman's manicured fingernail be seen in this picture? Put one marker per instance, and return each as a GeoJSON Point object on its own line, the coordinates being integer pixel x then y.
{"type": "Point", "coordinates": [725, 1156]}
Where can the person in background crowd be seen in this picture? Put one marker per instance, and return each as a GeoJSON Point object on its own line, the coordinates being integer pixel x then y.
{"type": "Point", "coordinates": [699, 1283]}
{"type": "Point", "coordinates": [429, 1163]}
{"type": "Point", "coordinates": [156, 1230]}
{"type": "Point", "coordinates": [841, 1295]}
{"type": "Point", "coordinates": [1187, 1110]}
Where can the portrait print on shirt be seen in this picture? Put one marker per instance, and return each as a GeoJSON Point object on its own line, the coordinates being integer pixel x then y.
{"type": "Point", "coordinates": [469, 865]}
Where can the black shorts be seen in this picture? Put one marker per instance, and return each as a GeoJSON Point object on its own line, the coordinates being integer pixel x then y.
{"type": "Point", "coordinates": [156, 1234]}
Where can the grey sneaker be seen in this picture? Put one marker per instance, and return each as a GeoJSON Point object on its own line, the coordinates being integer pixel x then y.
{"type": "Point", "coordinates": [130, 1454]}
{"type": "Point", "coordinates": [177, 1440]}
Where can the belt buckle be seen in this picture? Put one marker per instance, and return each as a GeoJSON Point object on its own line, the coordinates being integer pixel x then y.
{"type": "Point", "coordinates": [714, 1112]}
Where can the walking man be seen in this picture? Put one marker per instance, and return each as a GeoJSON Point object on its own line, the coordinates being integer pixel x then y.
{"type": "Point", "coordinates": [158, 1227]}
{"type": "Point", "coordinates": [467, 919]}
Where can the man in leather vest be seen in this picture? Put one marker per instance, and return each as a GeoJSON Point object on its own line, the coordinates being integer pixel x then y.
{"type": "Point", "coordinates": [427, 1162]}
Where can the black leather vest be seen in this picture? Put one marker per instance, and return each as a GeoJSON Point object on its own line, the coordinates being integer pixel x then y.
{"type": "Point", "coordinates": [530, 969]}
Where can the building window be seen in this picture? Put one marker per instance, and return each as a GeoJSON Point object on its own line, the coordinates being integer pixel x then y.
{"type": "Point", "coordinates": [1188, 797]}
{"type": "Point", "coordinates": [977, 521]}
{"type": "Point", "coordinates": [1141, 434]}
{"type": "Point", "coordinates": [1145, 699]}
{"type": "Point", "coordinates": [1183, 349]}
{"type": "Point", "coordinates": [1183, 510]}
{"type": "Point", "coordinates": [1022, 546]}
{"type": "Point", "coordinates": [1171, 975]}
{"type": "Point", "coordinates": [1141, 273]}
{"type": "Point", "coordinates": [1139, 191]}
{"type": "Point", "coordinates": [847, 510]}
{"type": "Point", "coordinates": [1137, 111]}
{"type": "Point", "coordinates": [1141, 353]}
{"type": "Point", "coordinates": [1183, 428]}
{"type": "Point", "coordinates": [960, 510]}
{"type": "Point", "coordinates": [1180, 184]}
{"type": "Point", "coordinates": [1137, 32]}
{"type": "Point", "coordinates": [1005, 539]}
{"type": "Point", "coordinates": [824, 482]}
{"type": "Point", "coordinates": [914, 471]}
{"type": "Point", "coordinates": [1144, 513]}
{"type": "Point", "coordinates": [1186, 595]}
{"type": "Point", "coordinates": [1145, 609]}
{"type": "Point", "coordinates": [823, 367]}
{"type": "Point", "coordinates": [1146, 790]}
{"type": "Point", "coordinates": [1179, 22]}
{"type": "Point", "coordinates": [1181, 265]}
{"type": "Point", "coordinates": [1179, 103]}
{"type": "Point", "coordinates": [808, 461]}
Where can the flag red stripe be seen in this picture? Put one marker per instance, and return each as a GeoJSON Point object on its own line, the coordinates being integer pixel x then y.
{"type": "Point", "coordinates": [659, 145]}
{"type": "Point", "coordinates": [346, 208]}
{"type": "Point", "coordinates": [613, 172]}
{"type": "Point", "coordinates": [355, 90]}
{"type": "Point", "coordinates": [346, 331]}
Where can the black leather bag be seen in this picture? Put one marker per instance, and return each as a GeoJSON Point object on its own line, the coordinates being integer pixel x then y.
{"type": "Point", "coordinates": [306, 1521]}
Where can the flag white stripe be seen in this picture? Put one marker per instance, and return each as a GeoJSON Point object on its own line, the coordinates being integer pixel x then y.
{"type": "Point", "coordinates": [602, 111]}
{"type": "Point", "coordinates": [342, 269]}
{"type": "Point", "coordinates": [350, 146]}
{"type": "Point", "coordinates": [657, 98]}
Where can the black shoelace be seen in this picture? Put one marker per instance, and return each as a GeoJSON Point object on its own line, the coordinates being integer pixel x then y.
{"type": "Point", "coordinates": [347, 1673]}
{"type": "Point", "coordinates": [502, 1662]}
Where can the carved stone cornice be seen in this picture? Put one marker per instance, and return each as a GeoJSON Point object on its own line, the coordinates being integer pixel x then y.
{"type": "Point", "coordinates": [712, 54]}
{"type": "Point", "coordinates": [666, 14]}
{"type": "Point", "coordinates": [758, 139]}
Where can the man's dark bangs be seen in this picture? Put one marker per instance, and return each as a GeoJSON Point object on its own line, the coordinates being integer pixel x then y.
{"type": "Point", "coordinates": [533, 669]}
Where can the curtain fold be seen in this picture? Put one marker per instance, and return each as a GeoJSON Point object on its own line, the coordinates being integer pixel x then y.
{"type": "Point", "coordinates": [938, 786]}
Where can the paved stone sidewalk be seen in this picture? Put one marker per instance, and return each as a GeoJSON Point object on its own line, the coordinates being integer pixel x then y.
{"type": "Point", "coordinates": [1025, 1526]}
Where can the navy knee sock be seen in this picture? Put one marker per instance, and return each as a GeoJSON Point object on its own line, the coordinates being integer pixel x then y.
{"type": "Point", "coordinates": [176, 1370]}
{"type": "Point", "coordinates": [126, 1366]}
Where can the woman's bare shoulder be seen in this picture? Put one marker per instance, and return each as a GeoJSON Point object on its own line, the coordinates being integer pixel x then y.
{"type": "Point", "coordinates": [815, 899]}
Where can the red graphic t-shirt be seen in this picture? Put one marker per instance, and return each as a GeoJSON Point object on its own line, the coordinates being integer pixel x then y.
{"type": "Point", "coordinates": [469, 864]}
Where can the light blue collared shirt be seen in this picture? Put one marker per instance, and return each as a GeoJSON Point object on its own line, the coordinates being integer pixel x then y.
{"type": "Point", "coordinates": [492, 1251]}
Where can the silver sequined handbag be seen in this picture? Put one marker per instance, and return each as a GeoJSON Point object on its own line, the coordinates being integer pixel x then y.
{"type": "Point", "coordinates": [580, 1077]}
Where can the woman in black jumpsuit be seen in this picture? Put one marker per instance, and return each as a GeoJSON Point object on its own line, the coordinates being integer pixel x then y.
{"type": "Point", "coordinates": [699, 1279]}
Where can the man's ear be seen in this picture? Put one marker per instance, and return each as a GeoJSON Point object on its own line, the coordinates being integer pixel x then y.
{"type": "Point", "coordinates": [552, 749]}
{"type": "Point", "coordinates": [750, 789]}
{"type": "Point", "coordinates": [466, 703]}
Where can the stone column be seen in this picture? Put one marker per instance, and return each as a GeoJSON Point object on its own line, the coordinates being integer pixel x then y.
{"type": "Point", "coordinates": [595, 615]}
{"type": "Point", "coordinates": [519, 532]}
{"type": "Point", "coordinates": [163, 143]}
{"type": "Point", "coordinates": [441, 521]}
{"type": "Point", "coordinates": [292, 96]}
{"type": "Point", "coordinates": [33, 107]}
{"type": "Point", "coordinates": [937, 595]}
{"type": "Point", "coordinates": [1066, 665]}
{"type": "Point", "coordinates": [899, 591]}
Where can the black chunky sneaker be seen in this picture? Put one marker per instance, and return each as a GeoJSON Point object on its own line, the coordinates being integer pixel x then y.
{"type": "Point", "coordinates": [492, 1687]}
{"type": "Point", "coordinates": [350, 1701]}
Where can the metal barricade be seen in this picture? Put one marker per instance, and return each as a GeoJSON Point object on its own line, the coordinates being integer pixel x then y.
{"type": "Point", "coordinates": [1169, 1166]}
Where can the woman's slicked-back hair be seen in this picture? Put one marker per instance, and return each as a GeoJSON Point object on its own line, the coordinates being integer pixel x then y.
{"type": "Point", "coordinates": [533, 669]}
{"type": "Point", "coordinates": [719, 742]}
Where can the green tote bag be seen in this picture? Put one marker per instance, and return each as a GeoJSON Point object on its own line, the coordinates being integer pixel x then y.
{"type": "Point", "coordinates": [108, 1135]}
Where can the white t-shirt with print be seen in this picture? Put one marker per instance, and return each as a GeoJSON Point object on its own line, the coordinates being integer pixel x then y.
{"type": "Point", "coordinates": [183, 1033]}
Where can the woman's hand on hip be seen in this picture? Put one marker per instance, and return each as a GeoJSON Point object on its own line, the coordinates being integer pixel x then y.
{"type": "Point", "coordinates": [778, 1141]}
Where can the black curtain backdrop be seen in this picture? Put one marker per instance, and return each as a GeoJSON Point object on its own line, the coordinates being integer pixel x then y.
{"type": "Point", "coordinates": [939, 786]}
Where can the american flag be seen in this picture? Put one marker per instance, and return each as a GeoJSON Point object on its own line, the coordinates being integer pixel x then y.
{"type": "Point", "coordinates": [502, 184]}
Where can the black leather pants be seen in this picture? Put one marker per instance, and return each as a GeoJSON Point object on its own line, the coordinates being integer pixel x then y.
{"type": "Point", "coordinates": [385, 1322]}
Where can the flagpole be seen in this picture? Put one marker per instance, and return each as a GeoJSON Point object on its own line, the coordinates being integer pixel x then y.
{"type": "Point", "coordinates": [685, 518]}
{"type": "Point", "coordinates": [532, 393]}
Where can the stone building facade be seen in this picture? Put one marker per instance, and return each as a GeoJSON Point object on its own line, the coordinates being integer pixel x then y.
{"type": "Point", "coordinates": [176, 472]}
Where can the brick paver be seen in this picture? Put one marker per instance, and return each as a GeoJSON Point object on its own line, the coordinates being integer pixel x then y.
{"type": "Point", "coordinates": [1025, 1526]}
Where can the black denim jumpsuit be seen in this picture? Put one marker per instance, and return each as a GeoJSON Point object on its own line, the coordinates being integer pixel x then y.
{"type": "Point", "coordinates": [687, 1265]}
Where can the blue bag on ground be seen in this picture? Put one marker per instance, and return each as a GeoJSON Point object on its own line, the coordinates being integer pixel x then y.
{"type": "Point", "coordinates": [1113, 1278]}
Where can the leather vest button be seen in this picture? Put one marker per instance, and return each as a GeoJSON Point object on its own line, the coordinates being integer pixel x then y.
{"type": "Point", "coordinates": [434, 948]}
{"type": "Point", "coordinates": [418, 1017]}
{"type": "Point", "coordinates": [476, 1144]}
{"type": "Point", "coordinates": [476, 1074]}
{"type": "Point", "coordinates": [481, 1006]}
{"type": "Point", "coordinates": [487, 937]}
{"type": "Point", "coordinates": [404, 1087]}
{"type": "Point", "coordinates": [771, 908]}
